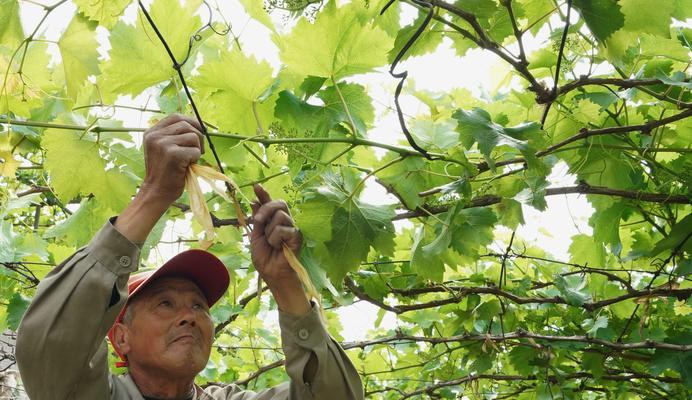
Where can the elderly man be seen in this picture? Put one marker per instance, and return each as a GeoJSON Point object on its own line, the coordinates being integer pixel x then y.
{"type": "Point", "coordinates": [159, 322]}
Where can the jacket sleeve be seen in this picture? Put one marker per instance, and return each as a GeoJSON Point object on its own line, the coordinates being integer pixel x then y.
{"type": "Point", "coordinates": [336, 377]}
{"type": "Point", "coordinates": [61, 350]}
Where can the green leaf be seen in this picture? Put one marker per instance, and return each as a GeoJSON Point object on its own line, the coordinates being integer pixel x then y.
{"type": "Point", "coordinates": [603, 17]}
{"type": "Point", "coordinates": [78, 48]}
{"type": "Point", "coordinates": [234, 102]}
{"type": "Point", "coordinates": [522, 359]}
{"type": "Point", "coordinates": [258, 12]}
{"type": "Point", "coordinates": [77, 168]}
{"type": "Point", "coordinates": [15, 248]}
{"type": "Point", "coordinates": [606, 224]}
{"type": "Point", "coordinates": [82, 225]}
{"type": "Point", "coordinates": [585, 250]}
{"type": "Point", "coordinates": [477, 127]}
{"type": "Point", "coordinates": [120, 75]}
{"type": "Point", "coordinates": [594, 363]}
{"type": "Point", "coordinates": [594, 326]}
{"type": "Point", "coordinates": [105, 12]}
{"type": "Point", "coordinates": [344, 225]}
{"type": "Point", "coordinates": [656, 46]}
{"type": "Point", "coordinates": [11, 33]}
{"type": "Point", "coordinates": [675, 360]}
{"type": "Point", "coordinates": [22, 93]}
{"type": "Point", "coordinates": [511, 213]}
{"type": "Point", "coordinates": [428, 266]}
{"type": "Point", "coordinates": [16, 309]}
{"type": "Point", "coordinates": [534, 193]}
{"type": "Point", "coordinates": [679, 236]}
{"type": "Point", "coordinates": [572, 289]}
{"type": "Point", "coordinates": [473, 231]}
{"type": "Point", "coordinates": [426, 43]}
{"type": "Point", "coordinates": [407, 178]}
{"type": "Point", "coordinates": [339, 45]}
{"type": "Point", "coordinates": [357, 101]}
{"type": "Point", "coordinates": [644, 16]}
{"type": "Point", "coordinates": [435, 134]}
{"type": "Point", "coordinates": [355, 226]}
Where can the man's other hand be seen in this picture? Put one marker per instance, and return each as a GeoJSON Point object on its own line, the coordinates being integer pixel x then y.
{"type": "Point", "coordinates": [274, 227]}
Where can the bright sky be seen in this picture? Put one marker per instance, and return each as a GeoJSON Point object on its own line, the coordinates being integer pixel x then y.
{"type": "Point", "coordinates": [478, 72]}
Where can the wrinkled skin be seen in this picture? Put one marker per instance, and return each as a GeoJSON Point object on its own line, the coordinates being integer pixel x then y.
{"type": "Point", "coordinates": [168, 336]}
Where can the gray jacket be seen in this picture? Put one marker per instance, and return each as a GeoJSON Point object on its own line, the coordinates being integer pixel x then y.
{"type": "Point", "coordinates": [62, 353]}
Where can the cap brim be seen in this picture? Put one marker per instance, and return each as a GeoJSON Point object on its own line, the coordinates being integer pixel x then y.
{"type": "Point", "coordinates": [199, 266]}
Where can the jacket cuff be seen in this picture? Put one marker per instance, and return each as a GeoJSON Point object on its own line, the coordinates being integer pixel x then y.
{"type": "Point", "coordinates": [306, 331]}
{"type": "Point", "coordinates": [113, 250]}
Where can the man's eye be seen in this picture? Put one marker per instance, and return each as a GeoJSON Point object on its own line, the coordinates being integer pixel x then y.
{"type": "Point", "coordinates": [165, 303]}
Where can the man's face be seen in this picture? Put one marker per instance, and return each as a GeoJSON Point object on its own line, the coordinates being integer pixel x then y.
{"type": "Point", "coordinates": [171, 330]}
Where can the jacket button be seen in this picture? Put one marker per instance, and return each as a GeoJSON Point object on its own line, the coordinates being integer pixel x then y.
{"type": "Point", "coordinates": [125, 261]}
{"type": "Point", "coordinates": [303, 334]}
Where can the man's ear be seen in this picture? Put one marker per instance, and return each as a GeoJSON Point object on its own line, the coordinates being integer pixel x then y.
{"type": "Point", "coordinates": [121, 336]}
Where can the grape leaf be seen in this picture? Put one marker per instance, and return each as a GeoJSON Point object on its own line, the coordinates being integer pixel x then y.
{"type": "Point", "coordinates": [603, 17]}
{"type": "Point", "coordinates": [76, 167]}
{"type": "Point", "coordinates": [339, 45]}
{"type": "Point", "coordinates": [78, 48]}
{"type": "Point", "coordinates": [257, 11]}
{"type": "Point", "coordinates": [235, 101]}
{"type": "Point", "coordinates": [14, 247]}
{"type": "Point", "coordinates": [585, 250]}
{"type": "Point", "coordinates": [16, 309]}
{"type": "Point", "coordinates": [346, 226]}
{"type": "Point", "coordinates": [675, 360]}
{"type": "Point", "coordinates": [356, 100]}
{"type": "Point", "coordinates": [105, 12]}
{"type": "Point", "coordinates": [477, 127]}
{"type": "Point", "coordinates": [11, 33]}
{"type": "Point", "coordinates": [646, 16]}
{"type": "Point", "coordinates": [572, 289]}
{"type": "Point", "coordinates": [82, 225]}
{"type": "Point", "coordinates": [137, 57]}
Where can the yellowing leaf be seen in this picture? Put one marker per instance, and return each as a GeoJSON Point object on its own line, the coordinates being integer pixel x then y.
{"type": "Point", "coordinates": [21, 94]}
{"type": "Point", "coordinates": [9, 164]}
{"type": "Point", "coordinates": [233, 100]}
{"type": "Point", "coordinates": [138, 60]}
{"type": "Point", "coordinates": [79, 55]}
{"type": "Point", "coordinates": [256, 10]}
{"type": "Point", "coordinates": [11, 33]}
{"type": "Point", "coordinates": [76, 168]}
{"type": "Point", "coordinates": [106, 12]}
{"type": "Point", "coordinates": [648, 16]}
{"type": "Point", "coordinates": [586, 112]}
{"type": "Point", "coordinates": [337, 44]}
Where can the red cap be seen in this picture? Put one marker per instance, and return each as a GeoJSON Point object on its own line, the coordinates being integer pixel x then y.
{"type": "Point", "coordinates": [201, 267]}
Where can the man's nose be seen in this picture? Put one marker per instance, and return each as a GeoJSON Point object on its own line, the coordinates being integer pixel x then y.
{"type": "Point", "coordinates": [187, 316]}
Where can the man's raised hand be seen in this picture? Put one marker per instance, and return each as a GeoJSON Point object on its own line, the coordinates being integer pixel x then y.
{"type": "Point", "coordinates": [170, 147]}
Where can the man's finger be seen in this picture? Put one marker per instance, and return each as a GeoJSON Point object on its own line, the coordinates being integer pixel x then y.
{"type": "Point", "coordinates": [176, 124]}
{"type": "Point", "coordinates": [284, 234]}
{"type": "Point", "coordinates": [175, 118]}
{"type": "Point", "coordinates": [266, 212]}
{"type": "Point", "coordinates": [280, 218]}
{"type": "Point", "coordinates": [183, 127]}
{"type": "Point", "coordinates": [188, 139]}
{"type": "Point", "coordinates": [190, 155]}
{"type": "Point", "coordinates": [262, 196]}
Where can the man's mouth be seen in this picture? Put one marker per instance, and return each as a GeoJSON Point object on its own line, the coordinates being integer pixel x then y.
{"type": "Point", "coordinates": [187, 338]}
